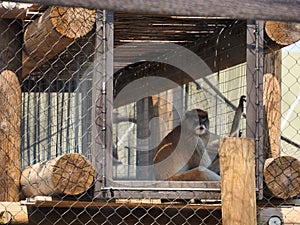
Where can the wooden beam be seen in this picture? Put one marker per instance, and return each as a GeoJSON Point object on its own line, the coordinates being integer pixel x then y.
{"type": "Point", "coordinates": [10, 136]}
{"type": "Point", "coordinates": [51, 33]}
{"type": "Point", "coordinates": [247, 9]}
{"type": "Point", "coordinates": [237, 181]}
{"type": "Point", "coordinates": [289, 215]}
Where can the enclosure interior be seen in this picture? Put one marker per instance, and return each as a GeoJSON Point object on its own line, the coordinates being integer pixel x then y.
{"type": "Point", "coordinates": [59, 97]}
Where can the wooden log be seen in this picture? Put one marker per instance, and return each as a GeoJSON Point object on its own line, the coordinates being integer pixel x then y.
{"type": "Point", "coordinates": [13, 213]}
{"type": "Point", "coordinates": [69, 174]}
{"type": "Point", "coordinates": [10, 136]}
{"type": "Point", "coordinates": [52, 33]}
{"type": "Point", "coordinates": [272, 106]}
{"type": "Point", "coordinates": [237, 169]}
{"type": "Point", "coordinates": [282, 176]}
{"type": "Point", "coordinates": [283, 33]}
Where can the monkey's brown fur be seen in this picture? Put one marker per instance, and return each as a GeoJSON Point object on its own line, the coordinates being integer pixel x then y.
{"type": "Point", "coordinates": [184, 149]}
{"type": "Point", "coordinates": [182, 154]}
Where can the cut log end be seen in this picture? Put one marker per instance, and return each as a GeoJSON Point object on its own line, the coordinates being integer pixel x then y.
{"type": "Point", "coordinates": [282, 176]}
{"type": "Point", "coordinates": [73, 174]}
{"type": "Point", "coordinates": [283, 33]}
{"type": "Point", "coordinates": [72, 22]}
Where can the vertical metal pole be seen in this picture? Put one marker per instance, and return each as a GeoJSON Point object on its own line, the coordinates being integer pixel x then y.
{"type": "Point", "coordinates": [254, 128]}
{"type": "Point", "coordinates": [108, 89]}
{"type": "Point", "coordinates": [102, 100]}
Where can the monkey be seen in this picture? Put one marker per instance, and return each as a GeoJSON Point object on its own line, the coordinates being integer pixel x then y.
{"type": "Point", "coordinates": [183, 155]}
{"type": "Point", "coordinates": [184, 149]}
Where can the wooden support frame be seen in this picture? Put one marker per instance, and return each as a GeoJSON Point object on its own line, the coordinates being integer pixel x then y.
{"type": "Point", "coordinates": [247, 9]}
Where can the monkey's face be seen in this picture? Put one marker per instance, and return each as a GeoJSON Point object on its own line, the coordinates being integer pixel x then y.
{"type": "Point", "coordinates": [197, 121]}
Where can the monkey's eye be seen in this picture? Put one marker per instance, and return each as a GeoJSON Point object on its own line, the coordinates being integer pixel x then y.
{"type": "Point", "coordinates": [203, 119]}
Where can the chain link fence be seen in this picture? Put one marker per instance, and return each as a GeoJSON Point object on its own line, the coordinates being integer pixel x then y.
{"type": "Point", "coordinates": [90, 97]}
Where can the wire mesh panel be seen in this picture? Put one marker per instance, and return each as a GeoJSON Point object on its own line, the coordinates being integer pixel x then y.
{"type": "Point", "coordinates": [122, 118]}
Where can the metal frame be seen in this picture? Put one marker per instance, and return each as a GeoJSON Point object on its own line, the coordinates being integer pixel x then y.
{"type": "Point", "coordinates": [141, 189]}
{"type": "Point", "coordinates": [255, 109]}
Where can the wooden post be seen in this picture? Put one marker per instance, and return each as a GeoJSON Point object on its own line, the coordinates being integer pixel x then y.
{"type": "Point", "coordinates": [272, 107]}
{"type": "Point", "coordinates": [52, 33]}
{"type": "Point", "coordinates": [10, 136]}
{"type": "Point", "coordinates": [69, 174]}
{"type": "Point", "coordinates": [238, 181]}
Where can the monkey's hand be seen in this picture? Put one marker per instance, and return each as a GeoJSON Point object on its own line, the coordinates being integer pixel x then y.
{"type": "Point", "coordinates": [235, 127]}
{"type": "Point", "coordinates": [241, 103]}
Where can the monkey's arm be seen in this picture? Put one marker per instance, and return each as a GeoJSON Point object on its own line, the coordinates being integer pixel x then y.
{"type": "Point", "coordinates": [235, 128]}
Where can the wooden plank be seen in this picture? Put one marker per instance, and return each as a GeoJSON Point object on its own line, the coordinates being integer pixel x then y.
{"type": "Point", "coordinates": [238, 181]}
{"type": "Point", "coordinates": [10, 136]}
{"type": "Point", "coordinates": [247, 9]}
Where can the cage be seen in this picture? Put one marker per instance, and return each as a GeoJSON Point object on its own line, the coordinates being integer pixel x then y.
{"type": "Point", "coordinates": [101, 91]}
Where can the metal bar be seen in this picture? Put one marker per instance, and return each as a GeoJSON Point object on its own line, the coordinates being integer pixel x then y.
{"type": "Point", "coordinates": [102, 98]}
{"type": "Point", "coordinates": [246, 9]}
{"type": "Point", "coordinates": [254, 108]}
{"type": "Point", "coordinates": [162, 189]}
{"type": "Point", "coordinates": [108, 37]}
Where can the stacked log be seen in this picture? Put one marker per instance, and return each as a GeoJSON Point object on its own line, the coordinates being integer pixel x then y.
{"type": "Point", "coordinates": [53, 32]}
{"type": "Point", "coordinates": [281, 173]}
{"type": "Point", "coordinates": [69, 174]}
{"type": "Point", "coordinates": [282, 176]}
{"type": "Point", "coordinates": [283, 33]}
